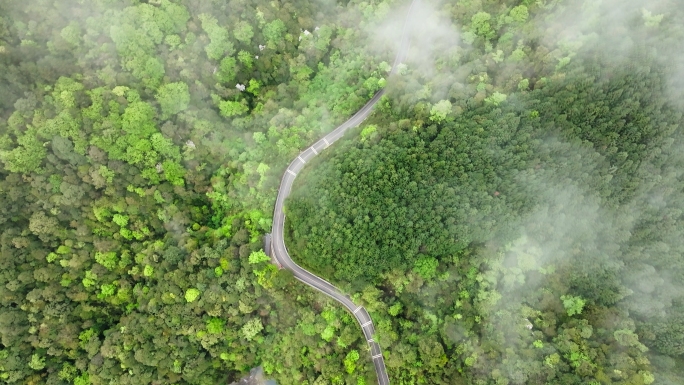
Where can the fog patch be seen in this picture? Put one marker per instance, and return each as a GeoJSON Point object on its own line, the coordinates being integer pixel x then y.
{"type": "Point", "coordinates": [617, 31]}
{"type": "Point", "coordinates": [433, 39]}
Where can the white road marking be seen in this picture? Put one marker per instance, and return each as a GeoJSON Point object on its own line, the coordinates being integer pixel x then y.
{"type": "Point", "coordinates": [371, 340]}
{"type": "Point", "coordinates": [357, 309]}
{"type": "Point", "coordinates": [366, 324]}
{"type": "Point", "coordinates": [290, 171]}
{"type": "Point", "coordinates": [326, 141]}
{"type": "Point", "coordinates": [377, 356]}
{"type": "Point", "coordinates": [300, 158]}
{"type": "Point", "coordinates": [314, 150]}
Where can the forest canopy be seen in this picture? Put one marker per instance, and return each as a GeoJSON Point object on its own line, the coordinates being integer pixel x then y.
{"type": "Point", "coordinates": [510, 213]}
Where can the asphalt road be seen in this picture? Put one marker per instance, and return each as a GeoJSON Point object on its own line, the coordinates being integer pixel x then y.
{"type": "Point", "coordinates": [278, 249]}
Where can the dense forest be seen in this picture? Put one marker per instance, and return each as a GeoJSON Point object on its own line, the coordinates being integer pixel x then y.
{"type": "Point", "coordinates": [517, 220]}
{"type": "Point", "coordinates": [509, 214]}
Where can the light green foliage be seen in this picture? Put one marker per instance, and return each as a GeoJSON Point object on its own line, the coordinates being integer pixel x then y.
{"type": "Point", "coordinates": [229, 108]}
{"type": "Point", "coordinates": [350, 361]}
{"type": "Point", "coordinates": [395, 309]}
{"type": "Point", "coordinates": [552, 360]}
{"type": "Point", "coordinates": [173, 98]}
{"type": "Point", "coordinates": [137, 119]}
{"type": "Point", "coordinates": [440, 111]}
{"type": "Point", "coordinates": [496, 98]}
{"type": "Point", "coordinates": [173, 41]}
{"type": "Point", "coordinates": [372, 84]}
{"type": "Point", "coordinates": [164, 147]}
{"type": "Point", "coordinates": [246, 59]}
{"type": "Point", "coordinates": [37, 362]}
{"type": "Point", "coordinates": [220, 44]}
{"type": "Point", "coordinates": [519, 14]}
{"type": "Point", "coordinates": [227, 69]}
{"type": "Point", "coordinates": [253, 87]}
{"type": "Point", "coordinates": [649, 378]}
{"type": "Point", "coordinates": [262, 169]}
{"type": "Point", "coordinates": [151, 72]}
{"type": "Point", "coordinates": [252, 328]}
{"type": "Point", "coordinates": [26, 157]}
{"type": "Point", "coordinates": [107, 290]}
{"type": "Point", "coordinates": [175, 18]}
{"type": "Point", "coordinates": [215, 325]}
{"type": "Point", "coordinates": [323, 38]}
{"type": "Point", "coordinates": [89, 279]}
{"type": "Point", "coordinates": [257, 257]}
{"type": "Point", "coordinates": [266, 275]}
{"type": "Point", "coordinates": [71, 33]}
{"type": "Point", "coordinates": [174, 173]}
{"type": "Point", "coordinates": [158, 197]}
{"type": "Point", "coordinates": [121, 220]}
{"type": "Point", "coordinates": [83, 379]}
{"type": "Point", "coordinates": [426, 267]}
{"type": "Point", "coordinates": [328, 333]}
{"type": "Point", "coordinates": [148, 271]}
{"type": "Point", "coordinates": [573, 305]}
{"type": "Point", "coordinates": [63, 249]}
{"type": "Point", "coordinates": [51, 257]}
{"type": "Point", "coordinates": [85, 336]}
{"type": "Point", "coordinates": [368, 132]}
{"type": "Point", "coordinates": [243, 32]}
{"type": "Point", "coordinates": [273, 32]}
{"type": "Point", "coordinates": [68, 372]}
{"type": "Point", "coordinates": [524, 85]}
{"type": "Point", "coordinates": [106, 173]}
{"type": "Point", "coordinates": [562, 62]}
{"type": "Point", "coordinates": [649, 19]}
{"type": "Point", "coordinates": [480, 25]}
{"type": "Point", "coordinates": [137, 190]}
{"type": "Point", "coordinates": [191, 294]}
{"type": "Point", "coordinates": [108, 259]}
{"type": "Point", "coordinates": [517, 55]}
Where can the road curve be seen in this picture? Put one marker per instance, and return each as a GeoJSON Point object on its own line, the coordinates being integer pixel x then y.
{"type": "Point", "coordinates": [278, 249]}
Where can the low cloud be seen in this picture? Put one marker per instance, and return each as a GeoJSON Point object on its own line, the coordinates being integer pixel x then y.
{"type": "Point", "coordinates": [433, 38]}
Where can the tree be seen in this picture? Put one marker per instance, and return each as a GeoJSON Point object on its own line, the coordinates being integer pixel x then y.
{"type": "Point", "coordinates": [573, 305]}
{"type": "Point", "coordinates": [519, 14]}
{"type": "Point", "coordinates": [440, 111]}
{"type": "Point", "coordinates": [42, 225]}
{"type": "Point", "coordinates": [173, 98]}
{"type": "Point", "coordinates": [191, 294]}
{"type": "Point", "coordinates": [243, 32]}
{"type": "Point", "coordinates": [426, 267]}
{"type": "Point", "coordinates": [350, 361]}
{"type": "Point", "coordinates": [252, 328]}
{"type": "Point", "coordinates": [480, 25]}
{"type": "Point", "coordinates": [258, 256]}
{"type": "Point", "coordinates": [26, 157]}
{"type": "Point", "coordinates": [273, 32]}
{"type": "Point", "coordinates": [230, 108]}
{"type": "Point", "coordinates": [496, 98]}
{"type": "Point", "coordinates": [228, 69]}
{"type": "Point", "coordinates": [220, 44]}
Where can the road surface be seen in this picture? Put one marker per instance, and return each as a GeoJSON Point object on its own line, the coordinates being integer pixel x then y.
{"type": "Point", "coordinates": [278, 249]}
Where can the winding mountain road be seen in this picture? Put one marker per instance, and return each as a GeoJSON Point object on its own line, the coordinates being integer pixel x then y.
{"type": "Point", "coordinates": [278, 249]}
